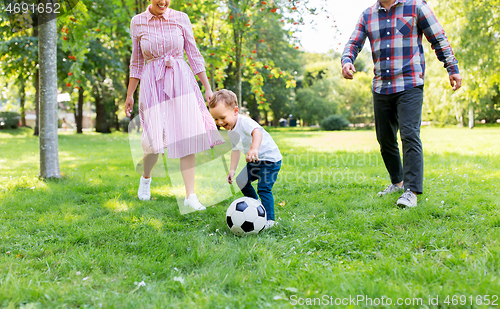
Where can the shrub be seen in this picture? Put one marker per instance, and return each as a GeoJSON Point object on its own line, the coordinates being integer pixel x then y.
{"type": "Point", "coordinates": [9, 120]}
{"type": "Point", "coordinates": [334, 122]}
{"type": "Point", "coordinates": [124, 122]}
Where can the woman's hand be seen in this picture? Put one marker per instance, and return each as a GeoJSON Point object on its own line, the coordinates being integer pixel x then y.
{"type": "Point", "coordinates": [129, 105]}
{"type": "Point", "coordinates": [208, 95]}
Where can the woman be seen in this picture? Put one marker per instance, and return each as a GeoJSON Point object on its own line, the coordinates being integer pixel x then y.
{"type": "Point", "coordinates": [172, 110]}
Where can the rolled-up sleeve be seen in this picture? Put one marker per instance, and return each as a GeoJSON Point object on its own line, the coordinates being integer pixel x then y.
{"type": "Point", "coordinates": [193, 53]}
{"type": "Point", "coordinates": [137, 59]}
{"type": "Point", "coordinates": [435, 34]}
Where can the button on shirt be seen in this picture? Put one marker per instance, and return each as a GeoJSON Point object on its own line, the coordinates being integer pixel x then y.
{"type": "Point", "coordinates": [396, 40]}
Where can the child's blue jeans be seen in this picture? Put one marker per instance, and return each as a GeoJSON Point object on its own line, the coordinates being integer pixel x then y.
{"type": "Point", "coordinates": [267, 173]}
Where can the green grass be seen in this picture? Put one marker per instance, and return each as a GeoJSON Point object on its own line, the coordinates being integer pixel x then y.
{"type": "Point", "coordinates": [87, 241]}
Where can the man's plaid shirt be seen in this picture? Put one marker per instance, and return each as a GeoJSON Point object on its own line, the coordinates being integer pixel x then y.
{"type": "Point", "coordinates": [396, 40]}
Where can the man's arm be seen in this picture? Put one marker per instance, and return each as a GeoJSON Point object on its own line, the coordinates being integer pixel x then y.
{"type": "Point", "coordinates": [434, 32]}
{"type": "Point", "coordinates": [353, 48]}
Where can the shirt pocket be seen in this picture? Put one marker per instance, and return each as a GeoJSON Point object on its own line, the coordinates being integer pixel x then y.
{"type": "Point", "coordinates": [405, 25]}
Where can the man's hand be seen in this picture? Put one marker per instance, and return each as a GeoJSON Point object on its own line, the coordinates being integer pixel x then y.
{"type": "Point", "coordinates": [346, 71]}
{"type": "Point", "coordinates": [252, 156]}
{"type": "Point", "coordinates": [456, 81]}
{"type": "Point", "coordinates": [230, 177]}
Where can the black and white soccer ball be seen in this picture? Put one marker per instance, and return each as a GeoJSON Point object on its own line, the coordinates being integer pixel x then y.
{"type": "Point", "coordinates": [246, 216]}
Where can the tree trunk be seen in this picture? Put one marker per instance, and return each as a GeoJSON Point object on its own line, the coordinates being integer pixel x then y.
{"type": "Point", "coordinates": [79, 114]}
{"type": "Point", "coordinates": [237, 42]}
{"type": "Point", "coordinates": [471, 116]}
{"type": "Point", "coordinates": [212, 77]}
{"type": "Point", "coordinates": [492, 115]}
{"type": "Point", "coordinates": [212, 69]}
{"type": "Point", "coordinates": [47, 56]}
{"type": "Point", "coordinates": [22, 95]}
{"type": "Point", "coordinates": [255, 110]}
{"type": "Point", "coordinates": [36, 79]}
{"type": "Point", "coordinates": [101, 123]}
{"type": "Point", "coordinates": [276, 116]}
{"type": "Point", "coordinates": [37, 100]}
{"type": "Point", "coordinates": [116, 121]}
{"type": "Point", "coordinates": [134, 115]}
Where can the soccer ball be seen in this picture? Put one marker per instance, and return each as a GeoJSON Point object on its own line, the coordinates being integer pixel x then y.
{"type": "Point", "coordinates": [246, 216]}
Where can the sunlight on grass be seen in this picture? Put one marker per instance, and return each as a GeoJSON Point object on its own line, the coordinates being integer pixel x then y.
{"type": "Point", "coordinates": [157, 224]}
{"type": "Point", "coordinates": [78, 243]}
{"type": "Point", "coordinates": [116, 205]}
{"type": "Point", "coordinates": [70, 218]}
{"type": "Point", "coordinates": [330, 141]}
{"type": "Point", "coordinates": [211, 186]}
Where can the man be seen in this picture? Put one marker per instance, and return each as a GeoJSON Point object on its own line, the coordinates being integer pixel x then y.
{"type": "Point", "coordinates": [395, 28]}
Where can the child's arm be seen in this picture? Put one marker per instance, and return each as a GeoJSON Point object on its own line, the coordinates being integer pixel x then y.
{"type": "Point", "coordinates": [253, 153]}
{"type": "Point", "coordinates": [235, 158]}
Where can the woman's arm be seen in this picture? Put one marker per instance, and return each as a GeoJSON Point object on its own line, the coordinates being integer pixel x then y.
{"type": "Point", "coordinates": [208, 90]}
{"type": "Point", "coordinates": [136, 67]}
{"type": "Point", "coordinates": [129, 102]}
{"type": "Point", "coordinates": [194, 56]}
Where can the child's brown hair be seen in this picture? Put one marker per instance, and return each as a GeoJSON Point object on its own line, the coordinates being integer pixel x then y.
{"type": "Point", "coordinates": [227, 96]}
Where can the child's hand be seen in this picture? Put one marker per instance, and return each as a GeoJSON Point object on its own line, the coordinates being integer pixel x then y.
{"type": "Point", "coordinates": [252, 156]}
{"type": "Point", "coordinates": [230, 177]}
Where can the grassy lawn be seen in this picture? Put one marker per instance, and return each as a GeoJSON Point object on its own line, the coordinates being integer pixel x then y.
{"type": "Point", "coordinates": [87, 241]}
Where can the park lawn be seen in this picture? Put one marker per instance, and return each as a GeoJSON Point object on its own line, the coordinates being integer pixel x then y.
{"type": "Point", "coordinates": [87, 241]}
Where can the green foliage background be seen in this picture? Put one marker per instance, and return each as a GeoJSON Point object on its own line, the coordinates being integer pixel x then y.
{"type": "Point", "coordinates": [277, 79]}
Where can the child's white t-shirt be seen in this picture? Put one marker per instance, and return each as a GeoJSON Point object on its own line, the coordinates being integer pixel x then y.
{"type": "Point", "coordinates": [241, 139]}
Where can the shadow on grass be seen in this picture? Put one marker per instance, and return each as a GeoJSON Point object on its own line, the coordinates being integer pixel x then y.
{"type": "Point", "coordinates": [319, 183]}
{"type": "Point", "coordinates": [21, 131]}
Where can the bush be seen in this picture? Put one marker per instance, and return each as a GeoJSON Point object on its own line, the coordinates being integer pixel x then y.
{"type": "Point", "coordinates": [9, 120]}
{"type": "Point", "coordinates": [334, 122]}
{"type": "Point", "coordinates": [124, 122]}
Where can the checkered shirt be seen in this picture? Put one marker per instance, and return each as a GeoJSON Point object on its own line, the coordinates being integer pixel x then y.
{"type": "Point", "coordinates": [396, 40]}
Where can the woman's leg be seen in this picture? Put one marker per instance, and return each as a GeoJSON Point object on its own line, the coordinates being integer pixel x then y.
{"type": "Point", "coordinates": [149, 161]}
{"type": "Point", "coordinates": [187, 170]}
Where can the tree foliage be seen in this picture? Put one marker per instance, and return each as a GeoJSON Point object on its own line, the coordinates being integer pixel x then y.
{"type": "Point", "coordinates": [322, 91]}
{"type": "Point", "coordinates": [474, 33]}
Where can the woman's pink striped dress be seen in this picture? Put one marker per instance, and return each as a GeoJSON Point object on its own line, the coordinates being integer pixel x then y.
{"type": "Point", "coordinates": [172, 109]}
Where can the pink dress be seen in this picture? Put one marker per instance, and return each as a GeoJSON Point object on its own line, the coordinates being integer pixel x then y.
{"type": "Point", "coordinates": [171, 107]}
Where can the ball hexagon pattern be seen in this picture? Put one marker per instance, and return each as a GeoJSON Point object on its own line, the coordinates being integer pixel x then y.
{"type": "Point", "coordinates": [246, 216]}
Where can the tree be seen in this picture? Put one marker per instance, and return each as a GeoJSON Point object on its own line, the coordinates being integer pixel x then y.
{"type": "Point", "coordinates": [47, 46]}
{"type": "Point", "coordinates": [322, 91]}
{"type": "Point", "coordinates": [245, 60]}
{"type": "Point", "coordinates": [19, 53]}
{"type": "Point", "coordinates": [96, 50]}
{"type": "Point", "coordinates": [474, 33]}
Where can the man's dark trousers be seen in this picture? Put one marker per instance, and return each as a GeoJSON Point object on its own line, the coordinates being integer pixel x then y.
{"type": "Point", "coordinates": [403, 111]}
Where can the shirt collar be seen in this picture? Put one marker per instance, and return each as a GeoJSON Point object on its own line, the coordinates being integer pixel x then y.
{"type": "Point", "coordinates": [149, 15]}
{"type": "Point", "coordinates": [380, 7]}
{"type": "Point", "coordinates": [237, 122]}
